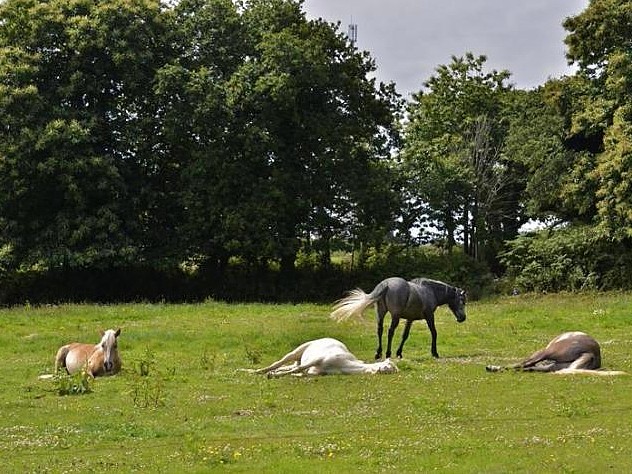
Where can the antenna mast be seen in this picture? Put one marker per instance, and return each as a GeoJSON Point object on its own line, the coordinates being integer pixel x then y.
{"type": "Point", "coordinates": [353, 32]}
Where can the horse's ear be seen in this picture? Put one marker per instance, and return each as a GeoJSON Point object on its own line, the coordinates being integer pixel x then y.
{"type": "Point", "coordinates": [102, 332]}
{"type": "Point", "coordinates": [118, 332]}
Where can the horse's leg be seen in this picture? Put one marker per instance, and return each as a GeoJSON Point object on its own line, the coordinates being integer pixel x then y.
{"type": "Point", "coordinates": [585, 361]}
{"type": "Point", "coordinates": [278, 372]}
{"type": "Point", "coordinates": [391, 332]}
{"type": "Point", "coordinates": [532, 360]}
{"type": "Point", "coordinates": [380, 311]}
{"type": "Point", "coordinates": [545, 367]}
{"type": "Point", "coordinates": [409, 323]}
{"type": "Point", "coordinates": [297, 369]}
{"type": "Point", "coordinates": [293, 356]}
{"type": "Point", "coordinates": [433, 333]}
{"type": "Point", "coordinates": [96, 364]}
{"type": "Point", "coordinates": [529, 364]}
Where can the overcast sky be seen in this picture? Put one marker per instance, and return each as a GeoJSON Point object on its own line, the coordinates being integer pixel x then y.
{"type": "Point", "coordinates": [410, 38]}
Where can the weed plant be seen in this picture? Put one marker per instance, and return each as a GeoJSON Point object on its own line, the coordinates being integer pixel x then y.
{"type": "Point", "coordinates": [72, 384]}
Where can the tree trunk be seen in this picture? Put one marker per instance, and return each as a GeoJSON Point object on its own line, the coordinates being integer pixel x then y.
{"type": "Point", "coordinates": [466, 230]}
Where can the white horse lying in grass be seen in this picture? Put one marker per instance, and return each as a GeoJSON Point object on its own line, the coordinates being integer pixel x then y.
{"type": "Point", "coordinates": [324, 356]}
{"type": "Point", "coordinates": [569, 353]}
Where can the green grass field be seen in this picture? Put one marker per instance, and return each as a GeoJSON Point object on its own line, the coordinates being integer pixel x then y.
{"type": "Point", "coordinates": [195, 412]}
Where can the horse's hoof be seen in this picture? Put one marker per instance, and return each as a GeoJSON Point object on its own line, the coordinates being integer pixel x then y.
{"type": "Point", "coordinates": [492, 368]}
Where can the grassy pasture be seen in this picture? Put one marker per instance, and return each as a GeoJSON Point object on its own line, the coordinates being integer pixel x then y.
{"type": "Point", "coordinates": [194, 412]}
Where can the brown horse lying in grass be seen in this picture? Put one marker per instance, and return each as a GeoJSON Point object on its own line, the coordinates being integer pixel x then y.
{"type": "Point", "coordinates": [569, 353]}
{"type": "Point", "coordinates": [100, 359]}
{"type": "Point", "coordinates": [324, 356]}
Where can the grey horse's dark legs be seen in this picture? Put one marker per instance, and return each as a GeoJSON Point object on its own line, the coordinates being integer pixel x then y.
{"type": "Point", "coordinates": [380, 313]}
{"type": "Point", "coordinates": [380, 330]}
{"type": "Point", "coordinates": [433, 333]}
{"type": "Point", "coordinates": [409, 323]}
{"type": "Point", "coordinates": [391, 332]}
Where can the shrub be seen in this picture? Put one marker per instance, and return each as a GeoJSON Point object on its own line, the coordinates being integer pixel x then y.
{"type": "Point", "coordinates": [453, 267]}
{"type": "Point", "coordinates": [569, 259]}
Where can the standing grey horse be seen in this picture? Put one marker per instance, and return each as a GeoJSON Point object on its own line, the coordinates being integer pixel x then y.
{"type": "Point", "coordinates": [410, 300]}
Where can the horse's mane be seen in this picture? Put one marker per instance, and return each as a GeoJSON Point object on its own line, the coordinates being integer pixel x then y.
{"type": "Point", "coordinates": [429, 281]}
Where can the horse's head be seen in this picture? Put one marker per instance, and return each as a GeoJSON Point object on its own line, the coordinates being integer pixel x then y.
{"type": "Point", "coordinates": [109, 346]}
{"type": "Point", "coordinates": [387, 366]}
{"type": "Point", "coordinates": [457, 304]}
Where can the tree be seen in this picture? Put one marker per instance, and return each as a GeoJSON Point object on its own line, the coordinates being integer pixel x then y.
{"type": "Point", "coordinates": [458, 175]}
{"type": "Point", "coordinates": [282, 143]}
{"type": "Point", "coordinates": [137, 131]}
{"type": "Point", "coordinates": [599, 44]}
{"type": "Point", "coordinates": [201, 145]}
{"type": "Point", "coordinates": [556, 186]}
{"type": "Point", "coordinates": [72, 99]}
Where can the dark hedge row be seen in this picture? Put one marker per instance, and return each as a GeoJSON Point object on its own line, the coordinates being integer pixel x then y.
{"type": "Point", "coordinates": [240, 282]}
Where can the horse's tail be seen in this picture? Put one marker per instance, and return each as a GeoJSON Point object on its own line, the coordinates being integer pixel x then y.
{"type": "Point", "coordinates": [60, 362]}
{"type": "Point", "coordinates": [356, 302]}
{"type": "Point", "coordinates": [60, 357]}
{"type": "Point", "coordinates": [603, 373]}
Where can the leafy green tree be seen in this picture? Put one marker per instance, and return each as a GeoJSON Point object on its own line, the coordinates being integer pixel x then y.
{"type": "Point", "coordinates": [573, 258]}
{"type": "Point", "coordinates": [282, 137]}
{"type": "Point", "coordinates": [599, 44]}
{"type": "Point", "coordinates": [205, 181]}
{"type": "Point", "coordinates": [331, 126]}
{"type": "Point", "coordinates": [137, 131]}
{"type": "Point", "coordinates": [73, 85]}
{"type": "Point", "coordinates": [554, 174]}
{"type": "Point", "coordinates": [458, 175]}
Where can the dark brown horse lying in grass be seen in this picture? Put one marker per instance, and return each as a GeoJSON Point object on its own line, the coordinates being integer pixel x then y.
{"type": "Point", "coordinates": [568, 353]}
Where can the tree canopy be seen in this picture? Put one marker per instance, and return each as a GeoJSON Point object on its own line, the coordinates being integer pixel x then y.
{"type": "Point", "coordinates": [460, 178]}
{"type": "Point", "coordinates": [140, 131]}
{"type": "Point", "coordinates": [600, 44]}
